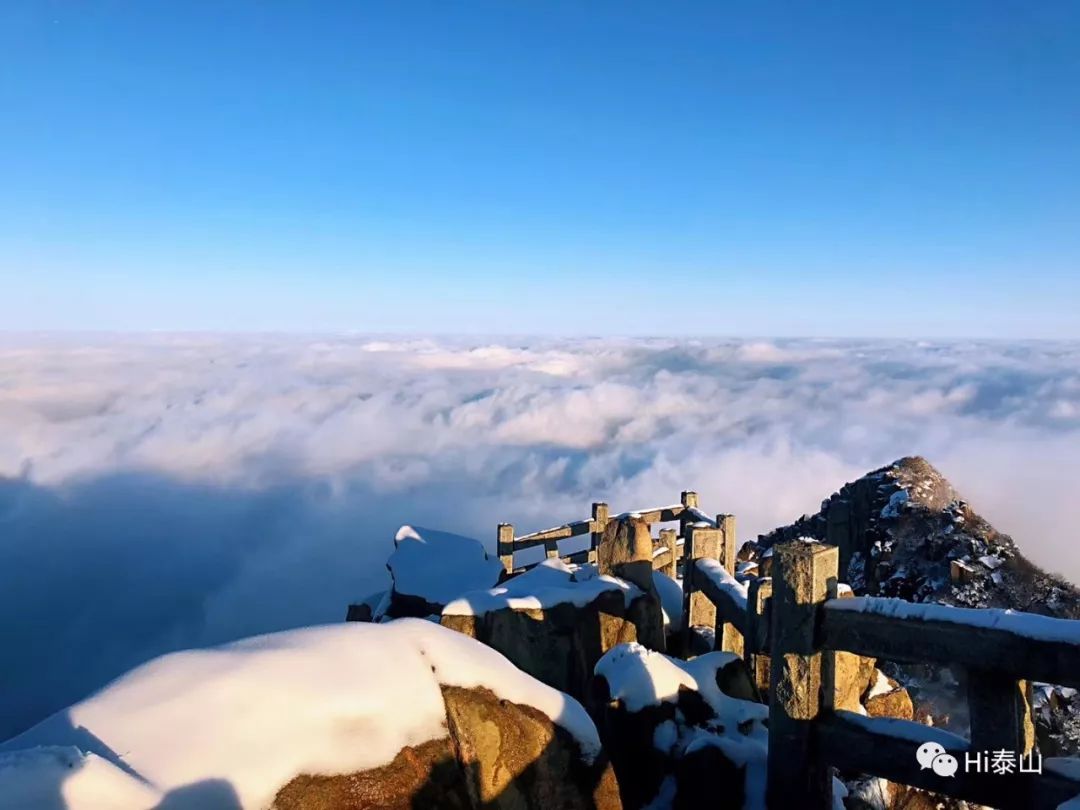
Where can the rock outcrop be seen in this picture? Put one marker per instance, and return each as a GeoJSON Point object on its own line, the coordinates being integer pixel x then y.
{"type": "Point", "coordinates": [430, 569]}
{"type": "Point", "coordinates": [890, 701]}
{"type": "Point", "coordinates": [399, 716]}
{"type": "Point", "coordinates": [903, 531]}
{"type": "Point", "coordinates": [555, 621]}
{"type": "Point", "coordinates": [497, 756]}
{"type": "Point", "coordinates": [684, 734]}
{"type": "Point", "coordinates": [626, 551]}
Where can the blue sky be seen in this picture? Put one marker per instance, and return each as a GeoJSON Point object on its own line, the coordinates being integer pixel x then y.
{"type": "Point", "coordinates": [904, 169]}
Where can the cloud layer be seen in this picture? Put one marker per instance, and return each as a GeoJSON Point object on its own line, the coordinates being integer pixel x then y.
{"type": "Point", "coordinates": [161, 492]}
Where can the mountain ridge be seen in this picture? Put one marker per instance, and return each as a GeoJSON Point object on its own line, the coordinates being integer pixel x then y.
{"type": "Point", "coordinates": [904, 531]}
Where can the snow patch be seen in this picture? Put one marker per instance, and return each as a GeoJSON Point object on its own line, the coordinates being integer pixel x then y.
{"type": "Point", "coordinates": [640, 677]}
{"type": "Point", "coordinates": [896, 502]}
{"type": "Point", "coordinates": [1029, 625]}
{"type": "Point", "coordinates": [552, 582]}
{"type": "Point", "coordinates": [906, 730]}
{"type": "Point", "coordinates": [719, 576]}
{"type": "Point", "coordinates": [881, 686]}
{"type": "Point", "coordinates": [671, 600]}
{"type": "Point", "coordinates": [52, 776]}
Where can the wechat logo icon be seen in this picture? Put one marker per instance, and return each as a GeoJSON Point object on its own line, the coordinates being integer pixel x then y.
{"type": "Point", "coordinates": [932, 755]}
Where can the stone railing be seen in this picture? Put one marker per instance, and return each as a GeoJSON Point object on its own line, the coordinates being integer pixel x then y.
{"type": "Point", "coordinates": [794, 624]}
{"type": "Point", "coordinates": [668, 547]}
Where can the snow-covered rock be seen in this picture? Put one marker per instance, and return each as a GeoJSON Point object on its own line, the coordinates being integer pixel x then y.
{"type": "Point", "coordinates": [552, 582]}
{"type": "Point", "coordinates": [903, 531]}
{"type": "Point", "coordinates": [232, 727]}
{"type": "Point", "coordinates": [553, 621]}
{"type": "Point", "coordinates": [683, 732]}
{"type": "Point", "coordinates": [431, 568]}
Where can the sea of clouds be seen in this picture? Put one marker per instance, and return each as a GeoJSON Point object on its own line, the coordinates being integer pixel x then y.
{"type": "Point", "coordinates": [161, 492]}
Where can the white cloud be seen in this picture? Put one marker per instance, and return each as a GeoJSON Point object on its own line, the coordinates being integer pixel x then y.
{"type": "Point", "coordinates": [167, 491]}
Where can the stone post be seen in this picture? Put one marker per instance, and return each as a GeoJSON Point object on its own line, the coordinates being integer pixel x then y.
{"type": "Point", "coordinates": [667, 540]}
{"type": "Point", "coordinates": [726, 525]}
{"type": "Point", "coordinates": [698, 610]}
{"type": "Point", "coordinates": [728, 638]}
{"type": "Point", "coordinates": [757, 627]}
{"type": "Point", "coordinates": [505, 547]}
{"type": "Point", "coordinates": [689, 500]}
{"type": "Point", "coordinates": [600, 520]}
{"type": "Point", "coordinates": [626, 552]}
{"type": "Point", "coordinates": [838, 529]}
{"type": "Point", "coordinates": [1000, 713]}
{"type": "Point", "coordinates": [804, 575]}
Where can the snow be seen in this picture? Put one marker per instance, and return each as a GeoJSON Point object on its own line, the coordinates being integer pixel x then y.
{"type": "Point", "coordinates": [256, 713]}
{"type": "Point", "coordinates": [550, 583]}
{"type": "Point", "coordinates": [906, 730]}
{"type": "Point", "coordinates": [746, 569]}
{"type": "Point", "coordinates": [553, 529]}
{"type": "Point", "coordinates": [896, 502]}
{"type": "Point", "coordinates": [751, 753]}
{"type": "Point", "coordinates": [719, 576]}
{"type": "Point", "coordinates": [840, 792]}
{"type": "Point", "coordinates": [439, 566]}
{"type": "Point", "coordinates": [1028, 625]}
{"type": "Point", "coordinates": [700, 517]}
{"type": "Point", "coordinates": [881, 686]}
{"type": "Point", "coordinates": [666, 736]}
{"type": "Point", "coordinates": [671, 600]}
{"type": "Point", "coordinates": [62, 776]}
{"type": "Point", "coordinates": [639, 512]}
{"type": "Point", "coordinates": [640, 677]}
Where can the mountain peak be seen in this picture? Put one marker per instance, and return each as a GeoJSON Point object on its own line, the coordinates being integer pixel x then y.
{"type": "Point", "coordinates": [903, 530]}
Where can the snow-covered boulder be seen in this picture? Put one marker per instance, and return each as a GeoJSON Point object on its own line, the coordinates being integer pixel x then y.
{"type": "Point", "coordinates": [400, 715]}
{"type": "Point", "coordinates": [431, 568]}
{"type": "Point", "coordinates": [554, 621]}
{"type": "Point", "coordinates": [682, 733]}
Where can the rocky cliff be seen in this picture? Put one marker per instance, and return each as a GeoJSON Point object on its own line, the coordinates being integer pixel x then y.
{"type": "Point", "coordinates": [904, 531]}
